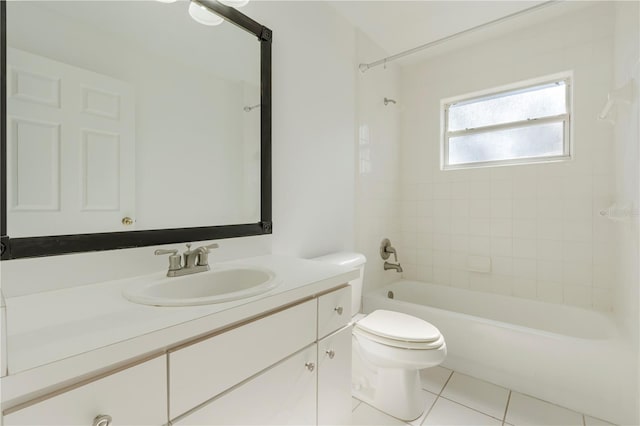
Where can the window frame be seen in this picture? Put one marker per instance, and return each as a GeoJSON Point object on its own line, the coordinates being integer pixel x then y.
{"type": "Point", "coordinates": [566, 119]}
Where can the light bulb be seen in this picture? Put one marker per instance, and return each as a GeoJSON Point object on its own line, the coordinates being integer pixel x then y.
{"type": "Point", "coordinates": [203, 15]}
{"type": "Point", "coordinates": [234, 3]}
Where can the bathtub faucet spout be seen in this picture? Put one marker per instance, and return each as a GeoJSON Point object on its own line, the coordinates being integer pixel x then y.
{"type": "Point", "coordinates": [396, 266]}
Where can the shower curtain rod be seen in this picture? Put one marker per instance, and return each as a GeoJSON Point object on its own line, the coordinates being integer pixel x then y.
{"type": "Point", "coordinates": [364, 67]}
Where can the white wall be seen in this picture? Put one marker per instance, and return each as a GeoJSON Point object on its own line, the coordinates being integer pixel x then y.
{"type": "Point", "coordinates": [627, 183]}
{"type": "Point", "coordinates": [538, 223]}
{"type": "Point", "coordinates": [313, 126]}
{"type": "Point", "coordinates": [313, 156]}
{"type": "Point", "coordinates": [377, 163]}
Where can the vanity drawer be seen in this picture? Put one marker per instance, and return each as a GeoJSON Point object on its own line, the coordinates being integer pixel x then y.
{"type": "Point", "coordinates": [334, 311]}
{"type": "Point", "coordinates": [205, 369]}
{"type": "Point", "coordinates": [135, 396]}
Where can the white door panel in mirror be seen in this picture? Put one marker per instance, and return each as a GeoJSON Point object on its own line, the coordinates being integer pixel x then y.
{"type": "Point", "coordinates": [71, 136]}
{"type": "Point", "coordinates": [196, 159]}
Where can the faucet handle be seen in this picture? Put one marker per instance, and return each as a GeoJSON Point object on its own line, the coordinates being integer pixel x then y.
{"type": "Point", "coordinates": [161, 251]}
{"type": "Point", "coordinates": [174, 259]}
{"type": "Point", "coordinates": [203, 259]}
{"type": "Point", "coordinates": [387, 250]}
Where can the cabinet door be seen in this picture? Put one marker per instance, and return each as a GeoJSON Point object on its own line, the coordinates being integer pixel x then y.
{"type": "Point", "coordinates": [201, 371]}
{"type": "Point", "coordinates": [135, 396]}
{"type": "Point", "coordinates": [334, 378]}
{"type": "Point", "coordinates": [282, 395]}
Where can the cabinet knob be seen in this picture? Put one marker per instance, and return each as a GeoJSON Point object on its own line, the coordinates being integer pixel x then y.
{"type": "Point", "coordinates": [331, 353]}
{"type": "Point", "coordinates": [102, 420]}
{"type": "Point", "coordinates": [310, 366]}
{"type": "Point", "coordinates": [338, 310]}
{"type": "Point", "coordinates": [126, 221]}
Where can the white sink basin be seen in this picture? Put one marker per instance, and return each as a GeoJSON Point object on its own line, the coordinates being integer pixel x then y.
{"type": "Point", "coordinates": [221, 284]}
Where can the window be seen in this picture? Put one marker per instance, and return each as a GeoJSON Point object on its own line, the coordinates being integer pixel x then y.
{"type": "Point", "coordinates": [521, 124]}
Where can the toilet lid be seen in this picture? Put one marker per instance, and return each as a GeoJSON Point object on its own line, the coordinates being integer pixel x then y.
{"type": "Point", "coordinates": [398, 326]}
{"type": "Point", "coordinates": [436, 344]}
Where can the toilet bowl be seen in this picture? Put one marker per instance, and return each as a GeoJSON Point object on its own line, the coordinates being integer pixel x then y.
{"type": "Point", "coordinates": [388, 351]}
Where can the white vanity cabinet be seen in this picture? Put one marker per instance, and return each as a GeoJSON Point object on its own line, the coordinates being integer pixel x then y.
{"type": "Point", "coordinates": [288, 365]}
{"type": "Point", "coordinates": [201, 371]}
{"type": "Point", "coordinates": [282, 395]}
{"type": "Point", "coordinates": [133, 396]}
{"type": "Point", "coordinates": [334, 378]}
{"type": "Point", "coordinates": [291, 367]}
{"type": "Point", "coordinates": [334, 357]}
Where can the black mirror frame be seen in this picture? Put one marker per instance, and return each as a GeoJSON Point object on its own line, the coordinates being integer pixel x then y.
{"type": "Point", "coordinates": [15, 248]}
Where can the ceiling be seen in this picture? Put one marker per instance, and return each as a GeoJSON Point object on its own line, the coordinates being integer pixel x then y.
{"type": "Point", "coordinates": [190, 43]}
{"type": "Point", "coordinates": [397, 25]}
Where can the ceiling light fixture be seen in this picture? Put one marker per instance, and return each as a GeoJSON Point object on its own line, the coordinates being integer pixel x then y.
{"type": "Point", "coordinates": [203, 15]}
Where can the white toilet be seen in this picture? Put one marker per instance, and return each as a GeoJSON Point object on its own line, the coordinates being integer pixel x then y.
{"type": "Point", "coordinates": [389, 350]}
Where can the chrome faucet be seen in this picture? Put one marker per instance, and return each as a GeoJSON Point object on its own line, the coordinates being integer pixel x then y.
{"type": "Point", "coordinates": [387, 250]}
{"type": "Point", "coordinates": [396, 266]}
{"type": "Point", "coordinates": [196, 260]}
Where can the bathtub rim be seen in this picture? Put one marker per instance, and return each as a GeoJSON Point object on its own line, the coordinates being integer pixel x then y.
{"type": "Point", "coordinates": [612, 330]}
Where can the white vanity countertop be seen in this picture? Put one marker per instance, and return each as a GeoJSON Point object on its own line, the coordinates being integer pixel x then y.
{"type": "Point", "coordinates": [58, 335]}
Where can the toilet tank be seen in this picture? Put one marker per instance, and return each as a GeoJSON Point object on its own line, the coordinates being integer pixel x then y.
{"type": "Point", "coordinates": [352, 260]}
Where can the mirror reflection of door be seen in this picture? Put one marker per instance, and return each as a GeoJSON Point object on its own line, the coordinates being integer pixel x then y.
{"type": "Point", "coordinates": [71, 141]}
{"type": "Point", "coordinates": [196, 157]}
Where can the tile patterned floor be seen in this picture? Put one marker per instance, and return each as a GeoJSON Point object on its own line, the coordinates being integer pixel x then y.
{"type": "Point", "coordinates": [453, 398]}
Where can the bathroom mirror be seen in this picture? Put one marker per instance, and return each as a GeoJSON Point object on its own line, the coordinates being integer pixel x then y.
{"type": "Point", "coordinates": [126, 124]}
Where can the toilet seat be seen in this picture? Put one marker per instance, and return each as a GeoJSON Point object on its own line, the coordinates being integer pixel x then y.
{"type": "Point", "coordinates": [399, 330]}
{"type": "Point", "coordinates": [400, 344]}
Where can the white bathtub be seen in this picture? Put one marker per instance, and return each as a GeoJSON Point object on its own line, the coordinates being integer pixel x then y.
{"type": "Point", "coordinates": [570, 356]}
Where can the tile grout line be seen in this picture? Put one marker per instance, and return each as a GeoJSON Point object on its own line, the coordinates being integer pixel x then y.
{"type": "Point", "coordinates": [471, 408]}
{"type": "Point", "coordinates": [446, 383]}
{"type": "Point", "coordinates": [429, 410]}
{"type": "Point", "coordinates": [437, 396]}
{"type": "Point", "coordinates": [506, 408]}
{"type": "Point", "coordinates": [552, 403]}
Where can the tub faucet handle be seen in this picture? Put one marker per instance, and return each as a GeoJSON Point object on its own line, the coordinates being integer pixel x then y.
{"type": "Point", "coordinates": [387, 250]}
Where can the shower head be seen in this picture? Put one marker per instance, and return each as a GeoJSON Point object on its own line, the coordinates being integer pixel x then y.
{"type": "Point", "coordinates": [387, 101]}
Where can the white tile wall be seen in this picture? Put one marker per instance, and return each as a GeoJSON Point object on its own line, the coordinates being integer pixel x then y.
{"type": "Point", "coordinates": [538, 223]}
{"type": "Point", "coordinates": [377, 170]}
{"type": "Point", "coordinates": [627, 151]}
{"type": "Point", "coordinates": [626, 292]}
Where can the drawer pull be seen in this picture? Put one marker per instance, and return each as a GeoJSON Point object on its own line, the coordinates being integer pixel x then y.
{"type": "Point", "coordinates": [102, 420]}
{"type": "Point", "coordinates": [338, 310]}
{"type": "Point", "coordinates": [310, 366]}
{"type": "Point", "coordinates": [331, 353]}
